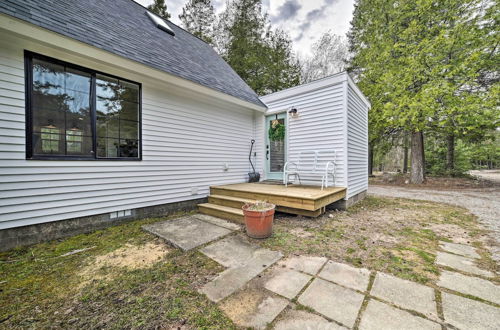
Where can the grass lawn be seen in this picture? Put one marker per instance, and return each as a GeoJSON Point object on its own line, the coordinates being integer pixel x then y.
{"type": "Point", "coordinates": [114, 284]}
{"type": "Point", "coordinates": [127, 278]}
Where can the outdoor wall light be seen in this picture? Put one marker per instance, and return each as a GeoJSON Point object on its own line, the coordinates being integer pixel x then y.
{"type": "Point", "coordinates": [293, 112]}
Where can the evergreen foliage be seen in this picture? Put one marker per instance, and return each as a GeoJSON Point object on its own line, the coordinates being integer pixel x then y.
{"type": "Point", "coordinates": [198, 18]}
{"type": "Point", "coordinates": [243, 36]}
{"type": "Point", "coordinates": [159, 8]}
{"type": "Point", "coordinates": [427, 67]}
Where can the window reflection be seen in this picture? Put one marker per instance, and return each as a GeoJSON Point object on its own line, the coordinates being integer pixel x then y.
{"type": "Point", "coordinates": [117, 109]}
{"type": "Point", "coordinates": [61, 110]}
{"type": "Point", "coordinates": [63, 114]}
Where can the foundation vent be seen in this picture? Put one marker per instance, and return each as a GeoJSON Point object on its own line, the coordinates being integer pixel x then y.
{"type": "Point", "coordinates": [120, 214]}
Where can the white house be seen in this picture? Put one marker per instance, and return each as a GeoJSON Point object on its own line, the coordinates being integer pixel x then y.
{"type": "Point", "coordinates": [108, 113]}
{"type": "Point", "coordinates": [104, 116]}
{"type": "Point", "coordinates": [329, 114]}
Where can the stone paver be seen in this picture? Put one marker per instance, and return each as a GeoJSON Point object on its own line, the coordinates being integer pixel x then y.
{"type": "Point", "coordinates": [333, 301]}
{"type": "Point", "coordinates": [382, 316]}
{"type": "Point", "coordinates": [233, 279]}
{"type": "Point", "coordinates": [186, 232]}
{"type": "Point", "coordinates": [253, 308]}
{"type": "Point", "coordinates": [465, 313]}
{"type": "Point", "coordinates": [217, 221]}
{"type": "Point", "coordinates": [232, 251]}
{"type": "Point", "coordinates": [473, 286]}
{"type": "Point", "coordinates": [287, 282]}
{"type": "Point", "coordinates": [301, 320]}
{"type": "Point", "coordinates": [405, 294]}
{"type": "Point", "coordinates": [461, 249]}
{"type": "Point", "coordinates": [461, 263]}
{"type": "Point", "coordinates": [310, 265]}
{"type": "Point", "coordinates": [351, 277]}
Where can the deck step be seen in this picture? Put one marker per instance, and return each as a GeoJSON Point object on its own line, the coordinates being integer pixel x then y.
{"type": "Point", "coordinates": [230, 201]}
{"type": "Point", "coordinates": [221, 211]}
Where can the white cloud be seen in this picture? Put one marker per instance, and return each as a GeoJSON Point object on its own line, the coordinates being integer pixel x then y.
{"type": "Point", "coordinates": [305, 25]}
{"type": "Point", "coordinates": [313, 19]}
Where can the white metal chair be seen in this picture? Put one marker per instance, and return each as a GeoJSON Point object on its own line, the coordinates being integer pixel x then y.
{"type": "Point", "coordinates": [320, 163]}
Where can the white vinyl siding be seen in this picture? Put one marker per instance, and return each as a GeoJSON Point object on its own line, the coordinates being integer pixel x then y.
{"type": "Point", "coordinates": [187, 139]}
{"type": "Point", "coordinates": [357, 142]}
{"type": "Point", "coordinates": [319, 126]}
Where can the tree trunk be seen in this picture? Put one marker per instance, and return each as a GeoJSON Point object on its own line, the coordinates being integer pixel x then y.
{"type": "Point", "coordinates": [450, 153]}
{"type": "Point", "coordinates": [370, 159]}
{"type": "Point", "coordinates": [417, 158]}
{"type": "Point", "coordinates": [405, 154]}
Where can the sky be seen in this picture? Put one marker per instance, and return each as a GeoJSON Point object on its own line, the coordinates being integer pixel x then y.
{"type": "Point", "coordinates": [304, 20]}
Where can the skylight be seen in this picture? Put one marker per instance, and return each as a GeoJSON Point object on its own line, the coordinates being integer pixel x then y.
{"type": "Point", "coordinates": [160, 23]}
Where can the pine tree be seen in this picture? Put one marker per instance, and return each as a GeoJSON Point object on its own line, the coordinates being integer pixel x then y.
{"type": "Point", "coordinates": [198, 18]}
{"type": "Point", "coordinates": [282, 67]}
{"type": "Point", "coordinates": [159, 8]}
{"type": "Point", "coordinates": [419, 63]}
{"type": "Point", "coordinates": [262, 57]}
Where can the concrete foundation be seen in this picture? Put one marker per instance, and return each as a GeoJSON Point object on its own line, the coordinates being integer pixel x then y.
{"type": "Point", "coordinates": [28, 235]}
{"type": "Point", "coordinates": [344, 204]}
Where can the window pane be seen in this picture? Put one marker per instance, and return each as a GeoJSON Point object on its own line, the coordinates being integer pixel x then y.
{"type": "Point", "coordinates": [48, 79]}
{"type": "Point", "coordinates": [44, 118]}
{"type": "Point", "coordinates": [108, 126]}
{"type": "Point", "coordinates": [77, 80]}
{"type": "Point", "coordinates": [108, 148]}
{"type": "Point", "coordinates": [48, 142]}
{"type": "Point", "coordinates": [129, 111]}
{"type": "Point", "coordinates": [117, 107]}
{"type": "Point", "coordinates": [130, 91]}
{"type": "Point", "coordinates": [78, 144]}
{"type": "Point", "coordinates": [78, 112]}
{"type": "Point", "coordinates": [129, 148]}
{"type": "Point", "coordinates": [108, 96]}
{"type": "Point", "coordinates": [60, 104]}
{"type": "Point", "coordinates": [129, 129]}
{"type": "Point", "coordinates": [48, 86]}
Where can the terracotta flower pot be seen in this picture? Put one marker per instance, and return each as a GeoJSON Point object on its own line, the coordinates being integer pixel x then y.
{"type": "Point", "coordinates": [259, 224]}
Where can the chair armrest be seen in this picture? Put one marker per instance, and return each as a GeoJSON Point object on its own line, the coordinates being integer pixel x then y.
{"type": "Point", "coordinates": [330, 164]}
{"type": "Point", "coordinates": [288, 164]}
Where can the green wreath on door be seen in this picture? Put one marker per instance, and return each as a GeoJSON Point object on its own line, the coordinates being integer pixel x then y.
{"type": "Point", "coordinates": [276, 131]}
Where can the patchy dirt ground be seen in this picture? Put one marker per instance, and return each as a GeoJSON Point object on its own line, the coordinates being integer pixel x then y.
{"type": "Point", "coordinates": [397, 236]}
{"type": "Point", "coordinates": [121, 277]}
{"type": "Point", "coordinates": [127, 258]}
{"type": "Point", "coordinates": [483, 203]}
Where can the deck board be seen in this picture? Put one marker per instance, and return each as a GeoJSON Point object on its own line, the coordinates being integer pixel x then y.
{"type": "Point", "coordinates": [294, 191]}
{"type": "Point", "coordinates": [303, 197]}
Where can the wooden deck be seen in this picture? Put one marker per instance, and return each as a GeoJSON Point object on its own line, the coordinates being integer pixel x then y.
{"type": "Point", "coordinates": [226, 201]}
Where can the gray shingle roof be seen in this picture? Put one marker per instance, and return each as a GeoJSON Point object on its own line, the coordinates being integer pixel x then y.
{"type": "Point", "coordinates": [123, 28]}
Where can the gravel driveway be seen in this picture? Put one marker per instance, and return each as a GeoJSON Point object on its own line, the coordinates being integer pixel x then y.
{"type": "Point", "coordinates": [491, 175]}
{"type": "Point", "coordinates": [484, 203]}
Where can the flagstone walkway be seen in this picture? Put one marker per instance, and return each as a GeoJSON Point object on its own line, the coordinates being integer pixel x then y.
{"type": "Point", "coordinates": [260, 288]}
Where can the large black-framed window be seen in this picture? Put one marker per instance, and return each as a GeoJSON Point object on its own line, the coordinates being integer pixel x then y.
{"type": "Point", "coordinates": [77, 113]}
